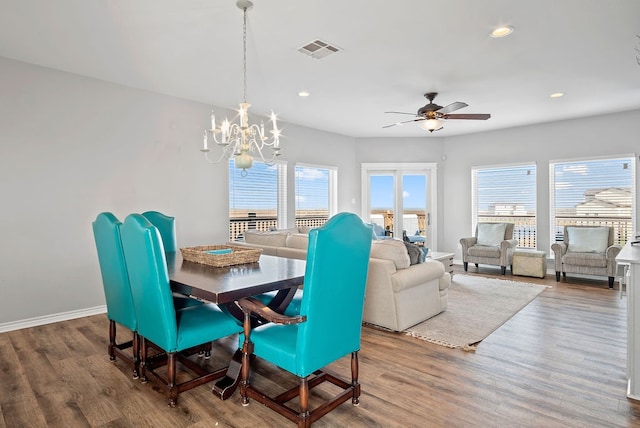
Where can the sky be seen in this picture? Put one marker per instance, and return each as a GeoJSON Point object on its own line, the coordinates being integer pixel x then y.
{"type": "Point", "coordinates": [259, 189]}
{"type": "Point", "coordinates": [517, 185]}
{"type": "Point", "coordinates": [414, 192]}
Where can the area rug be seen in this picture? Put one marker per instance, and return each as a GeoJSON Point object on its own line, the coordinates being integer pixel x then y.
{"type": "Point", "coordinates": [477, 307]}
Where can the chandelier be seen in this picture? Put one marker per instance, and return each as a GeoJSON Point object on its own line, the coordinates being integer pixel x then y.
{"type": "Point", "coordinates": [241, 140]}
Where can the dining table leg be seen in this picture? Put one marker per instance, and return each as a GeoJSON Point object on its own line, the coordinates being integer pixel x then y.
{"type": "Point", "coordinates": [227, 385]}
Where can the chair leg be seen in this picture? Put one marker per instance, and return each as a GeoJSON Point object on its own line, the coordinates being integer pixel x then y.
{"type": "Point", "coordinates": [247, 350]}
{"type": "Point", "coordinates": [112, 340]}
{"type": "Point", "coordinates": [303, 415]}
{"type": "Point", "coordinates": [136, 355]}
{"type": "Point", "coordinates": [355, 369]}
{"type": "Point", "coordinates": [466, 265]}
{"type": "Point", "coordinates": [611, 278]}
{"type": "Point", "coordinates": [172, 389]}
{"type": "Point", "coordinates": [143, 360]}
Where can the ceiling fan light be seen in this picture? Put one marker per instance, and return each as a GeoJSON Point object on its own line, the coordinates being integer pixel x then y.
{"type": "Point", "coordinates": [431, 125]}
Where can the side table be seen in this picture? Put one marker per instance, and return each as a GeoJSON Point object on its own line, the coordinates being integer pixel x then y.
{"type": "Point", "coordinates": [445, 258]}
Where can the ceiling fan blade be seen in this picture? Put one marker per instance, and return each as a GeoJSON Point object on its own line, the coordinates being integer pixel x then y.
{"type": "Point", "coordinates": [452, 107]}
{"type": "Point", "coordinates": [402, 123]}
{"type": "Point", "coordinates": [479, 116]}
{"type": "Point", "coordinates": [400, 112]}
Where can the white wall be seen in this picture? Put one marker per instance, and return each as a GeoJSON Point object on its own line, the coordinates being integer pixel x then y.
{"type": "Point", "coordinates": [72, 147]}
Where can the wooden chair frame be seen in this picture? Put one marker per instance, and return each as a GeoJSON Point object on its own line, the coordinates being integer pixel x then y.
{"type": "Point", "coordinates": [305, 416]}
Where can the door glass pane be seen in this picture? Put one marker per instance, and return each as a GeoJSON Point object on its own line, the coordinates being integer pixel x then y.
{"type": "Point", "coordinates": [414, 202]}
{"type": "Point", "coordinates": [381, 204]}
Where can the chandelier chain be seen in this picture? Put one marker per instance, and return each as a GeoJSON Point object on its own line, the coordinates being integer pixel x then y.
{"type": "Point", "coordinates": [244, 52]}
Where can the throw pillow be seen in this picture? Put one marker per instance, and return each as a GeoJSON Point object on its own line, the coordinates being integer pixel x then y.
{"type": "Point", "coordinates": [414, 253]}
{"type": "Point", "coordinates": [588, 239]}
{"type": "Point", "coordinates": [425, 251]}
{"type": "Point", "coordinates": [491, 234]}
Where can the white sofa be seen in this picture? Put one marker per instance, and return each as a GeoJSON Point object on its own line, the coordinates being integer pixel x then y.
{"type": "Point", "coordinates": [399, 295]}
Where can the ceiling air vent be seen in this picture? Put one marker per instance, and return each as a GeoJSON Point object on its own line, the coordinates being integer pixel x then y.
{"type": "Point", "coordinates": [318, 49]}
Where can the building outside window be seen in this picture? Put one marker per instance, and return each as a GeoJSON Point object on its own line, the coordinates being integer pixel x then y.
{"type": "Point", "coordinates": [593, 192]}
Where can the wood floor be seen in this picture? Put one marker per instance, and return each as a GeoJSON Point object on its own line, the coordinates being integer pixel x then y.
{"type": "Point", "coordinates": [560, 362]}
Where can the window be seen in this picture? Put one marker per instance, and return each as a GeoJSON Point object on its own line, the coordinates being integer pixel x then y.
{"type": "Point", "coordinates": [401, 200]}
{"type": "Point", "coordinates": [258, 200]}
{"type": "Point", "coordinates": [315, 194]}
{"type": "Point", "coordinates": [506, 194]}
{"type": "Point", "coordinates": [593, 192]}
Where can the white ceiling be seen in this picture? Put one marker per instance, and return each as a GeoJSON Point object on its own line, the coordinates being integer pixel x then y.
{"type": "Point", "coordinates": [393, 52]}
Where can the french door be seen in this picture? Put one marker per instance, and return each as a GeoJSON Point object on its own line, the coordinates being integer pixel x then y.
{"type": "Point", "coordinates": [401, 199]}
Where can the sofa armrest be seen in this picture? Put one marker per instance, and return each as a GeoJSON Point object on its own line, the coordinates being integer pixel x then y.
{"type": "Point", "coordinates": [559, 249]}
{"type": "Point", "coordinates": [416, 275]}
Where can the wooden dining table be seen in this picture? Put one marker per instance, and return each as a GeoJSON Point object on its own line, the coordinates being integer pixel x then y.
{"type": "Point", "coordinates": [224, 286]}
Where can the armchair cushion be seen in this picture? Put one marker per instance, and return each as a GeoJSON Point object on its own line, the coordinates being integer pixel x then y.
{"type": "Point", "coordinates": [588, 239]}
{"type": "Point", "coordinates": [585, 259]}
{"type": "Point", "coordinates": [491, 234]}
{"type": "Point", "coordinates": [484, 251]}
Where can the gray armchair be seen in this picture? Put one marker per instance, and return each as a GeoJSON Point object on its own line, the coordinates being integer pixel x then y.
{"type": "Point", "coordinates": [586, 250]}
{"type": "Point", "coordinates": [492, 245]}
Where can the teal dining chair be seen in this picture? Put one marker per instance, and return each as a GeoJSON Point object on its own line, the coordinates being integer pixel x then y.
{"type": "Point", "coordinates": [158, 321]}
{"type": "Point", "coordinates": [117, 292]}
{"type": "Point", "coordinates": [327, 328]}
{"type": "Point", "coordinates": [166, 225]}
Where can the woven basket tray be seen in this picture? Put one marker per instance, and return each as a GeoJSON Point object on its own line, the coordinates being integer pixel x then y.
{"type": "Point", "coordinates": [238, 256]}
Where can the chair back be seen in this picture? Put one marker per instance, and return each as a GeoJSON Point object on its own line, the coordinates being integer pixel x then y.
{"type": "Point", "coordinates": [115, 279]}
{"type": "Point", "coordinates": [508, 230]}
{"type": "Point", "coordinates": [152, 297]}
{"type": "Point", "coordinates": [166, 225]}
{"type": "Point", "coordinates": [334, 288]}
{"type": "Point", "coordinates": [609, 236]}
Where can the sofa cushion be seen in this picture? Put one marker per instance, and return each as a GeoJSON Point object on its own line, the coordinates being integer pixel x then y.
{"type": "Point", "coordinates": [588, 239]}
{"type": "Point", "coordinates": [391, 249]}
{"type": "Point", "coordinates": [274, 239]}
{"type": "Point", "coordinates": [415, 254]}
{"type": "Point", "coordinates": [297, 240]}
{"type": "Point", "coordinates": [304, 229]}
{"type": "Point", "coordinates": [491, 234]}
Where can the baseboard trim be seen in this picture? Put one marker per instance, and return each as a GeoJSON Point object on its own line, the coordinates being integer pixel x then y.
{"type": "Point", "coordinates": [49, 319]}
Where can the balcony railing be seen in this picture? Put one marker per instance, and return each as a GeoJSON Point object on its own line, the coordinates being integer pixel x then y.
{"type": "Point", "coordinates": [237, 226]}
{"type": "Point", "coordinates": [525, 227]}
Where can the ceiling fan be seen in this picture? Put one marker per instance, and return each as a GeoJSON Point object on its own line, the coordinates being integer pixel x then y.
{"type": "Point", "coordinates": [432, 114]}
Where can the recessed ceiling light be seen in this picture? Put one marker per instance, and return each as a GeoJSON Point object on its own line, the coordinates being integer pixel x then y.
{"type": "Point", "coordinates": [557, 95]}
{"type": "Point", "coordinates": [502, 31]}
{"type": "Point", "coordinates": [303, 94]}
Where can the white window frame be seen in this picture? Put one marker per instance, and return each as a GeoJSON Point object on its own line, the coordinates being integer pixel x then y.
{"type": "Point", "coordinates": [474, 197]}
{"type": "Point", "coordinates": [552, 187]}
{"type": "Point", "coordinates": [281, 191]}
